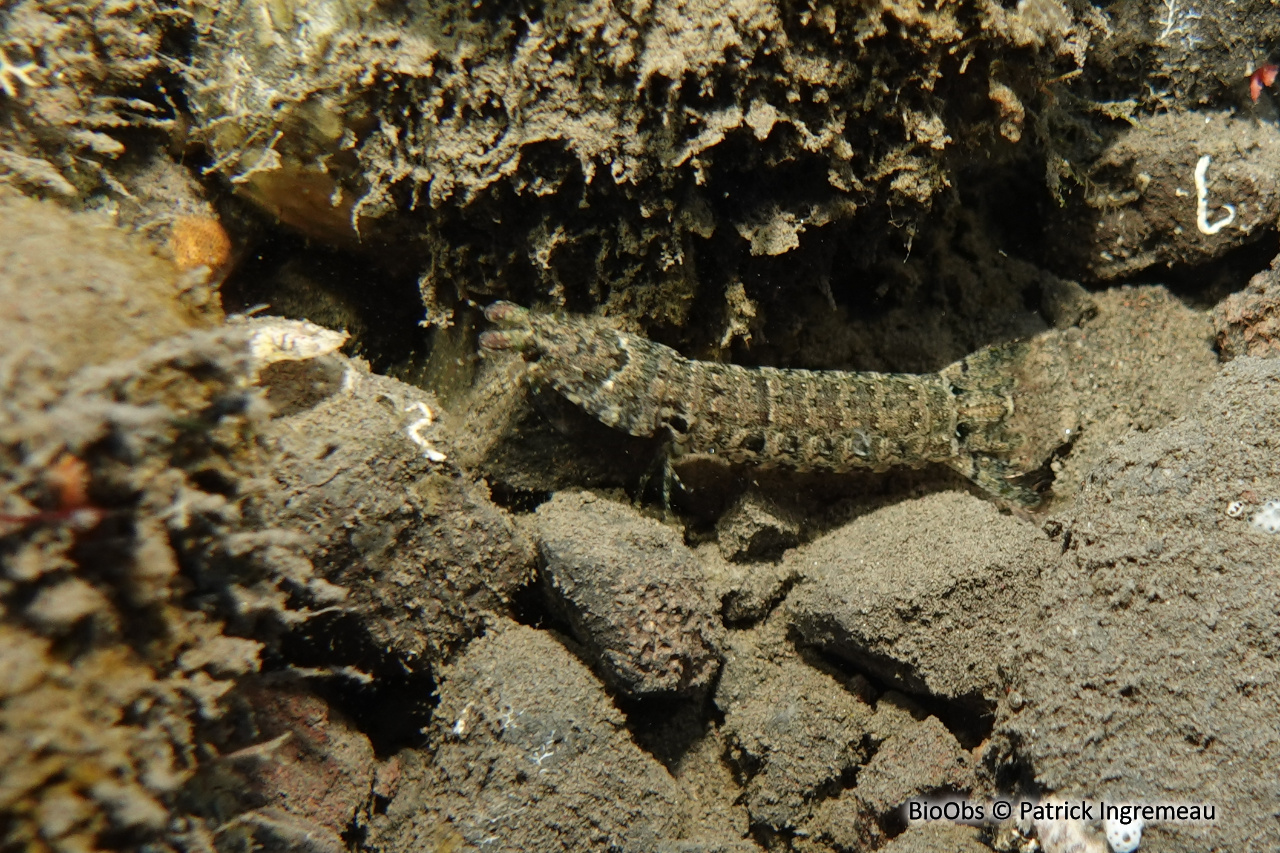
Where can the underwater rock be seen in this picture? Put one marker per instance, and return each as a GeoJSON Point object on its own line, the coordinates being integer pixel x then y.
{"type": "Point", "coordinates": [1178, 188]}
{"type": "Point", "coordinates": [78, 81]}
{"type": "Point", "coordinates": [528, 753]}
{"type": "Point", "coordinates": [532, 441]}
{"type": "Point", "coordinates": [844, 822]}
{"type": "Point", "coordinates": [1248, 322]}
{"type": "Point", "coordinates": [748, 592]}
{"type": "Point", "coordinates": [138, 598]}
{"type": "Point", "coordinates": [109, 299]}
{"type": "Point", "coordinates": [1147, 642]}
{"type": "Point", "coordinates": [426, 554]}
{"type": "Point", "coordinates": [938, 838]}
{"type": "Point", "coordinates": [613, 145]}
{"type": "Point", "coordinates": [111, 674]}
{"type": "Point", "coordinates": [794, 731]}
{"type": "Point", "coordinates": [632, 592]}
{"type": "Point", "coordinates": [308, 777]}
{"type": "Point", "coordinates": [921, 758]}
{"type": "Point", "coordinates": [884, 589]}
{"type": "Point", "coordinates": [756, 528]}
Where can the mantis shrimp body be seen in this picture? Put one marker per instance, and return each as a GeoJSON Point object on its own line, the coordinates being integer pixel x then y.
{"type": "Point", "coordinates": [963, 416]}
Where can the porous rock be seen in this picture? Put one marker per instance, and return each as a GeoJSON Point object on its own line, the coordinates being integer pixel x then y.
{"type": "Point", "coordinates": [794, 730]}
{"type": "Point", "coordinates": [425, 553]}
{"type": "Point", "coordinates": [1157, 642]}
{"type": "Point", "coordinates": [1248, 322]}
{"type": "Point", "coordinates": [943, 837]}
{"type": "Point", "coordinates": [925, 594]}
{"type": "Point", "coordinates": [923, 757]}
{"type": "Point", "coordinates": [632, 592]}
{"type": "Point", "coordinates": [756, 528]}
{"type": "Point", "coordinates": [530, 754]}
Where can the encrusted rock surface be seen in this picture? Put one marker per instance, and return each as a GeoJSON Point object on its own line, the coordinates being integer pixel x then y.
{"type": "Point", "coordinates": [1147, 646]}
{"type": "Point", "coordinates": [1248, 322]}
{"type": "Point", "coordinates": [531, 755]}
{"type": "Point", "coordinates": [636, 157]}
{"type": "Point", "coordinates": [1146, 206]}
{"type": "Point", "coordinates": [908, 594]}
{"type": "Point", "coordinates": [633, 593]}
{"type": "Point", "coordinates": [793, 730]}
{"type": "Point", "coordinates": [426, 554]}
{"type": "Point", "coordinates": [66, 69]}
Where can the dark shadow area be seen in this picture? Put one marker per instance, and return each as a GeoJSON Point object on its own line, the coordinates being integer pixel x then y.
{"type": "Point", "coordinates": [388, 702]}
{"type": "Point", "coordinates": [667, 727]}
{"type": "Point", "coordinates": [518, 501]}
{"type": "Point", "coordinates": [529, 607]}
{"type": "Point", "coordinates": [1205, 285]}
{"type": "Point", "coordinates": [970, 719]}
{"type": "Point", "coordinates": [298, 278]}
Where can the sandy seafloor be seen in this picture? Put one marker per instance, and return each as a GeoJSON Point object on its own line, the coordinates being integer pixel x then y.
{"type": "Point", "coordinates": [260, 591]}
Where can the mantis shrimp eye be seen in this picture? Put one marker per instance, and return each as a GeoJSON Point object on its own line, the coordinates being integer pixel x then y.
{"type": "Point", "coordinates": [505, 313]}
{"type": "Point", "coordinates": [511, 339]}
